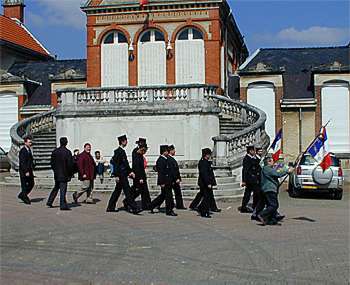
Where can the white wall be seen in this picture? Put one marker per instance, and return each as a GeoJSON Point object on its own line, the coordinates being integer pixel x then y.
{"type": "Point", "coordinates": [189, 134]}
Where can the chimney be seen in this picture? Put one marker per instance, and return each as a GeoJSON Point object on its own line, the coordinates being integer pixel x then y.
{"type": "Point", "coordinates": [14, 9]}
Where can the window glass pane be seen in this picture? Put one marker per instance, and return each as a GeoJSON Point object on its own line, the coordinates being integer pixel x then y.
{"type": "Point", "coordinates": [197, 35]}
{"type": "Point", "coordinates": [158, 36]}
{"type": "Point", "coordinates": [183, 35]}
{"type": "Point", "coordinates": [109, 39]}
{"type": "Point", "coordinates": [122, 38]}
{"type": "Point", "coordinates": [146, 37]}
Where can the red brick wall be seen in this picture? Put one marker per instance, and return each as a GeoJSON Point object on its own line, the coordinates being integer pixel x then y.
{"type": "Point", "coordinates": [21, 100]}
{"type": "Point", "coordinates": [15, 12]}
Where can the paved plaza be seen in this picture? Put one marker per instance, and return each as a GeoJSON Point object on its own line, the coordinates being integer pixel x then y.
{"type": "Point", "coordinates": [88, 246]}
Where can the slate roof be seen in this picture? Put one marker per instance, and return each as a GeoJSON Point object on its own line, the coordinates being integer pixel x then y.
{"type": "Point", "coordinates": [44, 72]}
{"type": "Point", "coordinates": [297, 65]}
{"type": "Point", "coordinates": [14, 32]}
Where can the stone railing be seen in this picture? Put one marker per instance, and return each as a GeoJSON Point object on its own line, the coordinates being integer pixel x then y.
{"type": "Point", "coordinates": [229, 150]}
{"type": "Point", "coordinates": [134, 95]}
{"type": "Point", "coordinates": [28, 127]}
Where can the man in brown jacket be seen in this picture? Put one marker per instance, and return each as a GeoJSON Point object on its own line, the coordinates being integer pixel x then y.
{"type": "Point", "coordinates": [87, 174]}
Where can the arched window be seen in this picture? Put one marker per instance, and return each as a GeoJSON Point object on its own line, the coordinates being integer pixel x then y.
{"type": "Point", "coordinates": [114, 60]}
{"type": "Point", "coordinates": [152, 58]}
{"type": "Point", "coordinates": [190, 56]}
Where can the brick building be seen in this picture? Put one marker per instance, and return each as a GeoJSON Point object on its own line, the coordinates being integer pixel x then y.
{"type": "Point", "coordinates": [161, 42]}
{"type": "Point", "coordinates": [300, 89]}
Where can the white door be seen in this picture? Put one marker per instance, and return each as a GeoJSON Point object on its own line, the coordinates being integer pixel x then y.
{"type": "Point", "coordinates": [152, 59]}
{"type": "Point", "coordinates": [8, 117]}
{"type": "Point", "coordinates": [263, 97]}
{"type": "Point", "coordinates": [114, 61]}
{"type": "Point", "coordinates": [335, 107]}
{"type": "Point", "coordinates": [190, 57]}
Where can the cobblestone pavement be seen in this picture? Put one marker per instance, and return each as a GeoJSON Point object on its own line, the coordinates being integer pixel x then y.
{"type": "Point", "coordinates": [88, 246]}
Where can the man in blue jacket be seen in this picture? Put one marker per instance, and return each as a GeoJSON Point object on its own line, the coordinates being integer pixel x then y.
{"type": "Point", "coordinates": [269, 186]}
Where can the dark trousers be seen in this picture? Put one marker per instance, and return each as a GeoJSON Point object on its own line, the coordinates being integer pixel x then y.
{"type": "Point", "coordinates": [207, 194]}
{"type": "Point", "coordinates": [62, 186]}
{"type": "Point", "coordinates": [178, 195]}
{"type": "Point", "coordinates": [142, 189]}
{"type": "Point", "coordinates": [167, 195]}
{"type": "Point", "coordinates": [123, 184]}
{"type": "Point", "coordinates": [212, 203]}
{"type": "Point", "coordinates": [249, 189]}
{"type": "Point", "coordinates": [27, 184]}
{"type": "Point", "coordinates": [270, 211]}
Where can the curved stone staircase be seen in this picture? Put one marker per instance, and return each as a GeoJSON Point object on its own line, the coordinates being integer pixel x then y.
{"type": "Point", "coordinates": [240, 125]}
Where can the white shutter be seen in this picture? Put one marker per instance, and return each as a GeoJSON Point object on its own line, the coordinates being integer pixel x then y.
{"type": "Point", "coordinates": [115, 66]}
{"type": "Point", "coordinates": [263, 97]}
{"type": "Point", "coordinates": [190, 61]}
{"type": "Point", "coordinates": [335, 107]}
{"type": "Point", "coordinates": [152, 63]}
{"type": "Point", "coordinates": [8, 117]}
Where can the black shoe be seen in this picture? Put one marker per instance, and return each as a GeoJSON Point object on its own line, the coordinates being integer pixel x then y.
{"type": "Point", "coordinates": [246, 210]}
{"type": "Point", "coordinates": [272, 222]}
{"type": "Point", "coordinates": [205, 215]}
{"type": "Point", "coordinates": [75, 198]}
{"type": "Point", "coordinates": [111, 210]}
{"type": "Point", "coordinates": [49, 205]}
{"type": "Point", "coordinates": [193, 209]}
{"type": "Point", "coordinates": [280, 217]}
{"type": "Point", "coordinates": [172, 214]}
{"type": "Point", "coordinates": [65, 208]}
{"type": "Point", "coordinates": [151, 211]}
{"type": "Point", "coordinates": [261, 219]}
{"type": "Point", "coordinates": [136, 211]}
{"type": "Point", "coordinates": [254, 218]}
{"type": "Point", "coordinates": [217, 210]}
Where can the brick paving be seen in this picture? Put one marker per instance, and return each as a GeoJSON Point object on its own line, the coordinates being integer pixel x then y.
{"type": "Point", "coordinates": [88, 246]}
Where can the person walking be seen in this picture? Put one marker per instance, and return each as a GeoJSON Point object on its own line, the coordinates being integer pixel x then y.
{"type": "Point", "coordinates": [175, 178]}
{"type": "Point", "coordinates": [250, 179]}
{"type": "Point", "coordinates": [122, 171]}
{"type": "Point", "coordinates": [164, 181]}
{"type": "Point", "coordinates": [26, 170]}
{"type": "Point", "coordinates": [206, 181]}
{"type": "Point", "coordinates": [86, 174]}
{"type": "Point", "coordinates": [269, 187]}
{"type": "Point", "coordinates": [62, 164]}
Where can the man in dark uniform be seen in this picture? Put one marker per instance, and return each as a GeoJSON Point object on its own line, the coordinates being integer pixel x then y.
{"type": "Point", "coordinates": [164, 181]}
{"type": "Point", "coordinates": [206, 181]}
{"type": "Point", "coordinates": [140, 182]}
{"type": "Point", "coordinates": [26, 167]}
{"type": "Point", "coordinates": [250, 179]}
{"type": "Point", "coordinates": [62, 164]}
{"type": "Point", "coordinates": [175, 178]}
{"type": "Point", "coordinates": [122, 171]}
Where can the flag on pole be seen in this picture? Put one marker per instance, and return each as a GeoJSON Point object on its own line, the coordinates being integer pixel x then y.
{"type": "Point", "coordinates": [143, 2]}
{"type": "Point", "coordinates": [320, 151]}
{"type": "Point", "coordinates": [276, 146]}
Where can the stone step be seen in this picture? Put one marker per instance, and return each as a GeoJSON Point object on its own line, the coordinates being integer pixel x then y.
{"type": "Point", "coordinates": [45, 135]}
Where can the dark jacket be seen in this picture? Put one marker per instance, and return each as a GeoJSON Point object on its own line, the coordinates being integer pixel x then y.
{"type": "Point", "coordinates": [251, 170]}
{"type": "Point", "coordinates": [174, 169]}
{"type": "Point", "coordinates": [121, 163]}
{"type": "Point", "coordinates": [62, 164]}
{"type": "Point", "coordinates": [163, 170]}
{"type": "Point", "coordinates": [26, 162]}
{"type": "Point", "coordinates": [206, 173]}
{"type": "Point", "coordinates": [86, 166]}
{"type": "Point", "coordinates": [138, 166]}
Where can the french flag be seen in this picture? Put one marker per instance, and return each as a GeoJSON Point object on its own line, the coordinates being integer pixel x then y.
{"type": "Point", "coordinates": [277, 146]}
{"type": "Point", "coordinates": [143, 2]}
{"type": "Point", "coordinates": [319, 150]}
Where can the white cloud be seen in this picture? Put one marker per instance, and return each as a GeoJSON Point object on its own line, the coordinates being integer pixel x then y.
{"type": "Point", "coordinates": [314, 35]}
{"type": "Point", "coordinates": [58, 13]}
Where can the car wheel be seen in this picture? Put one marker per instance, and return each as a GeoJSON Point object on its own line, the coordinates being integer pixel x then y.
{"type": "Point", "coordinates": [338, 195]}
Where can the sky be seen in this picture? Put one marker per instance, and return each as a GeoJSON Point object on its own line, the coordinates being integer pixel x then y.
{"type": "Point", "coordinates": [60, 25]}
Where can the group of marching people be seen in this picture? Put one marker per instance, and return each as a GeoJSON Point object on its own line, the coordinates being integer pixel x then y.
{"type": "Point", "coordinates": [260, 177]}
{"type": "Point", "coordinates": [65, 166]}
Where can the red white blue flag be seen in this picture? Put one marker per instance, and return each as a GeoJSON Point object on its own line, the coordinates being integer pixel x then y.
{"type": "Point", "coordinates": [277, 146]}
{"type": "Point", "coordinates": [143, 2]}
{"type": "Point", "coordinates": [319, 150]}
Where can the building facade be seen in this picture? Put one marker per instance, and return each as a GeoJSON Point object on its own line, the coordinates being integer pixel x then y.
{"type": "Point", "coordinates": [300, 90]}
